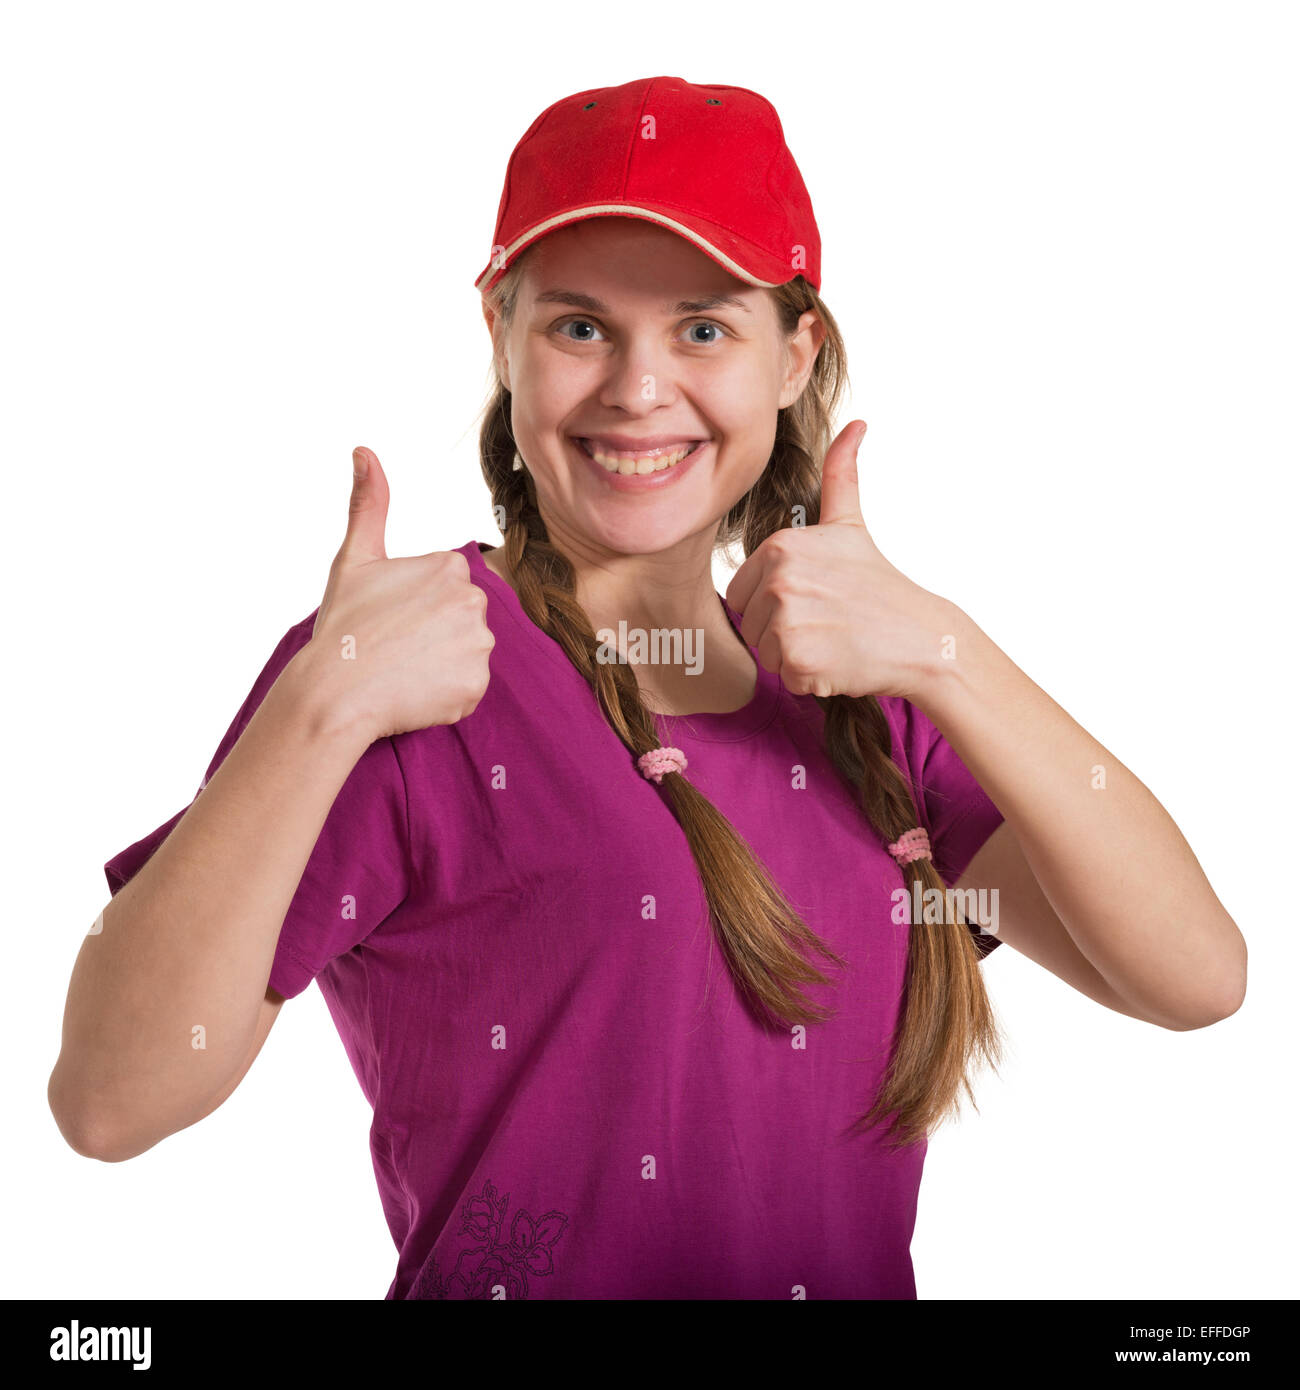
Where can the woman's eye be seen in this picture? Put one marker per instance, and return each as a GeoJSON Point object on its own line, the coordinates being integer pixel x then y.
{"type": "Point", "coordinates": [707, 323]}
{"type": "Point", "coordinates": [590, 333]}
{"type": "Point", "coordinates": [580, 323]}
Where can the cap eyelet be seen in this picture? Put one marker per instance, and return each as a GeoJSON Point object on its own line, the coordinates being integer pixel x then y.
{"type": "Point", "coordinates": [589, 105]}
{"type": "Point", "coordinates": [712, 101]}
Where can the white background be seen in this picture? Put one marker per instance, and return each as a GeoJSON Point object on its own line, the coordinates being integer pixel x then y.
{"type": "Point", "coordinates": [1060, 240]}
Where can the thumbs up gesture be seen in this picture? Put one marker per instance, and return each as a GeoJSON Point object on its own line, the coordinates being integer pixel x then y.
{"type": "Point", "coordinates": [826, 611]}
{"type": "Point", "coordinates": [398, 644]}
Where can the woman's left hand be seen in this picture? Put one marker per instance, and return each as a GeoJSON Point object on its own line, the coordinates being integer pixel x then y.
{"type": "Point", "coordinates": [827, 612]}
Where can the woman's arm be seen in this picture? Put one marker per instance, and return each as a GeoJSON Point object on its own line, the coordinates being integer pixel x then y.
{"type": "Point", "coordinates": [1119, 902]}
{"type": "Point", "coordinates": [189, 941]}
{"type": "Point", "coordinates": [397, 645]}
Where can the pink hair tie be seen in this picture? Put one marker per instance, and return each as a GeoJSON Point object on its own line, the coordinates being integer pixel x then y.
{"type": "Point", "coordinates": [658, 761]}
{"type": "Point", "coordinates": [914, 844]}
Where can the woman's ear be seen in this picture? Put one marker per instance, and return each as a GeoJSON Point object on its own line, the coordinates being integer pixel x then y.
{"type": "Point", "coordinates": [500, 350]}
{"type": "Point", "coordinates": [801, 351]}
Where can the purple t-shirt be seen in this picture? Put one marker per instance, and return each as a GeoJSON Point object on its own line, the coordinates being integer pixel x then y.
{"type": "Point", "coordinates": [570, 1098]}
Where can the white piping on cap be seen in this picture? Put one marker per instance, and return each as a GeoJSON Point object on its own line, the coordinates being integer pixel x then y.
{"type": "Point", "coordinates": [627, 210]}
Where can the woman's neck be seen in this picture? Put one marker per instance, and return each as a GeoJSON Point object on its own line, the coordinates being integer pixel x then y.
{"type": "Point", "coordinates": [688, 658]}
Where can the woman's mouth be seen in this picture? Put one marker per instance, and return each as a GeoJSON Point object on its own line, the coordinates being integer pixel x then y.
{"type": "Point", "coordinates": [627, 462]}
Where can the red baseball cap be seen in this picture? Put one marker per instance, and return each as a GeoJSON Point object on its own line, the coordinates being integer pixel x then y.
{"type": "Point", "coordinates": [708, 162]}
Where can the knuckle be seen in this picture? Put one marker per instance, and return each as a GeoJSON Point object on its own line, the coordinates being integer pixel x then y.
{"type": "Point", "coordinates": [778, 582]}
{"type": "Point", "coordinates": [780, 542]}
{"type": "Point", "coordinates": [796, 660]}
{"type": "Point", "coordinates": [779, 591]}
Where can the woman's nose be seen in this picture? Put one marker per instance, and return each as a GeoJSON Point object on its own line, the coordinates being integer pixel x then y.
{"type": "Point", "coordinates": [641, 372]}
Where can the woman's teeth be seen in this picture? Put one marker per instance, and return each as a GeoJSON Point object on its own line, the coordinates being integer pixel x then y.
{"type": "Point", "coordinates": [652, 461]}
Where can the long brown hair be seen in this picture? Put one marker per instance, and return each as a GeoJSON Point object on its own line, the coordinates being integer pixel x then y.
{"type": "Point", "coordinates": [946, 1021]}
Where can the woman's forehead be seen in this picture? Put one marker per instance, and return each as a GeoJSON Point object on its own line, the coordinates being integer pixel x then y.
{"type": "Point", "coordinates": [627, 258]}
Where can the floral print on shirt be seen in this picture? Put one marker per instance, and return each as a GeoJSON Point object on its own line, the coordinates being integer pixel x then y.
{"type": "Point", "coordinates": [498, 1256]}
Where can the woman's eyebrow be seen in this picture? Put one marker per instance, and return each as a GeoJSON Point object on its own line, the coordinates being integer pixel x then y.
{"type": "Point", "coordinates": [577, 300]}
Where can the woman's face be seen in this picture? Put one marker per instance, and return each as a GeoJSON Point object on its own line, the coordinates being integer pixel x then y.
{"type": "Point", "coordinates": [620, 344]}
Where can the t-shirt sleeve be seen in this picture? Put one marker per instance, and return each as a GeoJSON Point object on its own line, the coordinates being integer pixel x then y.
{"type": "Point", "coordinates": [358, 872]}
{"type": "Point", "coordinates": [957, 813]}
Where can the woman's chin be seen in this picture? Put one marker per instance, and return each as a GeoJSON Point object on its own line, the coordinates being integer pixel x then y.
{"type": "Point", "coordinates": [646, 536]}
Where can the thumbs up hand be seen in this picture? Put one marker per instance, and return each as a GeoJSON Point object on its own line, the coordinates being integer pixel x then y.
{"type": "Point", "coordinates": [826, 611]}
{"type": "Point", "coordinates": [398, 644]}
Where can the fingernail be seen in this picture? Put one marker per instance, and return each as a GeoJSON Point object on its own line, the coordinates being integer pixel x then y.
{"type": "Point", "coordinates": [360, 465]}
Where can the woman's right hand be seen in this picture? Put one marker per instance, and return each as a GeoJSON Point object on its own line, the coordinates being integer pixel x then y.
{"type": "Point", "coordinates": [398, 644]}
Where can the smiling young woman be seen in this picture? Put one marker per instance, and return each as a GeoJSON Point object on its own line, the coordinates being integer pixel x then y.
{"type": "Point", "coordinates": [621, 955]}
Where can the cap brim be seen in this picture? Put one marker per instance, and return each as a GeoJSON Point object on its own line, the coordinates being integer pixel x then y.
{"type": "Point", "coordinates": [734, 254]}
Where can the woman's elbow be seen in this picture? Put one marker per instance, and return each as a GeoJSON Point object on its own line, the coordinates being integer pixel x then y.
{"type": "Point", "coordinates": [1226, 999]}
{"type": "Point", "coordinates": [83, 1128]}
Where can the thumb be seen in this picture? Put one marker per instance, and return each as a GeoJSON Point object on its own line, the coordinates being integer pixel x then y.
{"type": "Point", "coordinates": [367, 509]}
{"type": "Point", "coordinates": [840, 477]}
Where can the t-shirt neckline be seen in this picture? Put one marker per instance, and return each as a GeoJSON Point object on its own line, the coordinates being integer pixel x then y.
{"type": "Point", "coordinates": [728, 727]}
